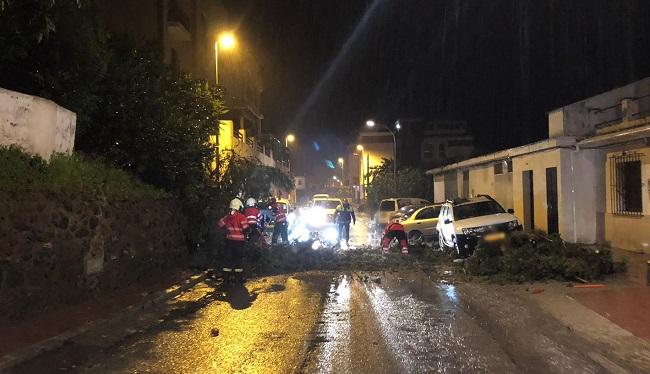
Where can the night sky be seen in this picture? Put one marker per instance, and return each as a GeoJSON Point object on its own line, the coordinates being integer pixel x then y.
{"type": "Point", "coordinates": [499, 64]}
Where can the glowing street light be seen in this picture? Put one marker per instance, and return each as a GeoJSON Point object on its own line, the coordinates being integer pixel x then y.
{"type": "Point", "coordinates": [225, 41]}
{"type": "Point", "coordinates": [289, 139]}
{"type": "Point", "coordinates": [371, 123]}
{"type": "Point", "coordinates": [359, 148]}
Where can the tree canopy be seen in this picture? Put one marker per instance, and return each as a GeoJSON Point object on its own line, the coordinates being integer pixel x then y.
{"type": "Point", "coordinates": [411, 182]}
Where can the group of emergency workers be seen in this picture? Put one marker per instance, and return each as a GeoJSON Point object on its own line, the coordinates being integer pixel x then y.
{"type": "Point", "coordinates": [247, 224]}
{"type": "Point", "coordinates": [244, 224]}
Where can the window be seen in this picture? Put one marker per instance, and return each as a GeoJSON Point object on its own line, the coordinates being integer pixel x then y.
{"type": "Point", "coordinates": [483, 208]}
{"type": "Point", "coordinates": [387, 206]}
{"type": "Point", "coordinates": [461, 143]}
{"type": "Point", "coordinates": [427, 151]}
{"type": "Point", "coordinates": [626, 192]}
{"type": "Point", "coordinates": [428, 213]}
{"type": "Point", "coordinates": [404, 202]}
{"type": "Point", "coordinates": [327, 204]}
{"type": "Point", "coordinates": [442, 150]}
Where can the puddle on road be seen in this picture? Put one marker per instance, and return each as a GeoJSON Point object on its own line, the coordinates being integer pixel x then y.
{"type": "Point", "coordinates": [334, 333]}
{"type": "Point", "coordinates": [425, 329]}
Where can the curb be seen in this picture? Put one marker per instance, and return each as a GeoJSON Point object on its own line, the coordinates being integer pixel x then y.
{"type": "Point", "coordinates": [7, 362]}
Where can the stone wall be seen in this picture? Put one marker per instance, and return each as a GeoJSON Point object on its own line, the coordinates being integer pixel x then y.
{"type": "Point", "coordinates": [62, 247]}
{"type": "Point", "coordinates": [37, 125]}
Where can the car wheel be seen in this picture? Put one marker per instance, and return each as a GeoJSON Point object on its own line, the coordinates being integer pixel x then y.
{"type": "Point", "coordinates": [415, 238]}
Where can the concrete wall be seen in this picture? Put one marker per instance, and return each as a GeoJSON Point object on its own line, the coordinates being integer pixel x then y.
{"type": "Point", "coordinates": [586, 194]}
{"type": "Point", "coordinates": [503, 190]}
{"type": "Point", "coordinates": [63, 247]}
{"type": "Point", "coordinates": [630, 232]}
{"type": "Point", "coordinates": [538, 162]}
{"type": "Point", "coordinates": [579, 119]}
{"type": "Point", "coordinates": [481, 180]}
{"type": "Point", "coordinates": [37, 125]}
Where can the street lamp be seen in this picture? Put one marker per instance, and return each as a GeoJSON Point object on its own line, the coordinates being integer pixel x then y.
{"type": "Point", "coordinates": [341, 163]}
{"type": "Point", "coordinates": [225, 41]}
{"type": "Point", "coordinates": [370, 123]}
{"type": "Point", "coordinates": [289, 139]}
{"type": "Point", "coordinates": [359, 148]}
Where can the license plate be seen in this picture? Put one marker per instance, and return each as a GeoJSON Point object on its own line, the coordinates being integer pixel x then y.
{"type": "Point", "coordinates": [495, 236]}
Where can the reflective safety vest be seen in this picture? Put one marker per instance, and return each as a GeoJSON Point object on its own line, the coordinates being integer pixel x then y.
{"type": "Point", "coordinates": [235, 223]}
{"type": "Point", "coordinates": [345, 214]}
{"type": "Point", "coordinates": [253, 216]}
{"type": "Point", "coordinates": [280, 214]}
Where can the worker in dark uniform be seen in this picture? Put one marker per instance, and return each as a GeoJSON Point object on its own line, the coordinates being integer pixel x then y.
{"type": "Point", "coordinates": [343, 216]}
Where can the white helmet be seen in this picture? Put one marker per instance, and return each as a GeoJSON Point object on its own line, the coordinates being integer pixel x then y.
{"type": "Point", "coordinates": [250, 202]}
{"type": "Point", "coordinates": [235, 204]}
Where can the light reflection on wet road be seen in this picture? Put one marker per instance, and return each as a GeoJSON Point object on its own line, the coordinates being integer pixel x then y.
{"type": "Point", "coordinates": [418, 324]}
{"type": "Point", "coordinates": [317, 322]}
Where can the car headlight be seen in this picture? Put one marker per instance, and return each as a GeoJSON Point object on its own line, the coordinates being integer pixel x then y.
{"type": "Point", "coordinates": [316, 216]}
{"type": "Point", "coordinates": [513, 225]}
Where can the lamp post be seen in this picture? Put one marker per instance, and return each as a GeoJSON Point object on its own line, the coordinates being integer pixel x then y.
{"type": "Point", "coordinates": [370, 123]}
{"type": "Point", "coordinates": [225, 41]}
{"type": "Point", "coordinates": [341, 164]}
{"type": "Point", "coordinates": [289, 139]}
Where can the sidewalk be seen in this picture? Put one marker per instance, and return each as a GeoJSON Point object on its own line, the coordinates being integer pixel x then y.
{"type": "Point", "coordinates": [51, 328]}
{"type": "Point", "coordinates": [615, 317]}
{"type": "Point", "coordinates": [626, 300]}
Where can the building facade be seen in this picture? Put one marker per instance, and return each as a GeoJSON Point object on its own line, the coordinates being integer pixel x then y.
{"type": "Point", "coordinates": [589, 181]}
{"type": "Point", "coordinates": [432, 143]}
{"type": "Point", "coordinates": [187, 31]}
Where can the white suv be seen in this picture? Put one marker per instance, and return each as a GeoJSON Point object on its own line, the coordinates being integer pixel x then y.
{"type": "Point", "coordinates": [463, 223]}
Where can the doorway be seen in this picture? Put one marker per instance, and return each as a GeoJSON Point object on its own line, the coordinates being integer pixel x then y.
{"type": "Point", "coordinates": [551, 201]}
{"type": "Point", "coordinates": [529, 203]}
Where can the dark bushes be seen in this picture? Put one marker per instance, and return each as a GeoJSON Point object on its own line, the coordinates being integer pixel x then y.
{"type": "Point", "coordinates": [530, 256]}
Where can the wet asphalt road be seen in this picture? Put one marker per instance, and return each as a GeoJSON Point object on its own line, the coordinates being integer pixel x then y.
{"type": "Point", "coordinates": [318, 322]}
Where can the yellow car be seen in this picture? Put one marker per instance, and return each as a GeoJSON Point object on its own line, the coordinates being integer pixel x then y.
{"type": "Point", "coordinates": [421, 225]}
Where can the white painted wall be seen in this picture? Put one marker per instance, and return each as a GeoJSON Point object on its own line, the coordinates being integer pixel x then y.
{"type": "Point", "coordinates": [37, 125]}
{"type": "Point", "coordinates": [586, 177]}
{"type": "Point", "coordinates": [481, 180]}
{"type": "Point", "coordinates": [439, 188]}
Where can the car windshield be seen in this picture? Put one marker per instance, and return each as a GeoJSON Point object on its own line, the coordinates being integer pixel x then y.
{"type": "Point", "coordinates": [327, 204]}
{"type": "Point", "coordinates": [387, 206]}
{"type": "Point", "coordinates": [482, 208]}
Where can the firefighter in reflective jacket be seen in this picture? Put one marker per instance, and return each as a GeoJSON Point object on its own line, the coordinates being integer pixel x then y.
{"type": "Point", "coordinates": [280, 228]}
{"type": "Point", "coordinates": [235, 224]}
{"type": "Point", "coordinates": [254, 219]}
{"type": "Point", "coordinates": [395, 230]}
